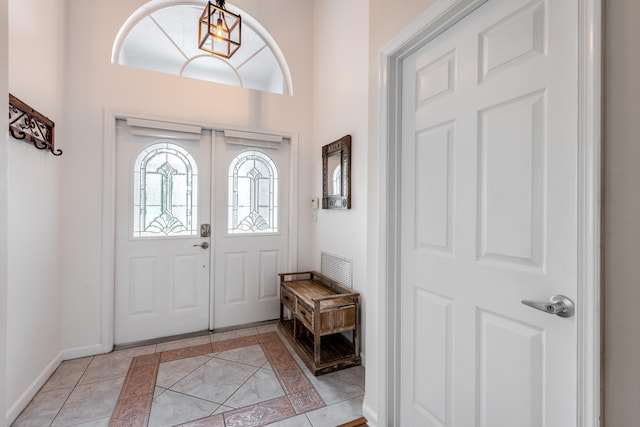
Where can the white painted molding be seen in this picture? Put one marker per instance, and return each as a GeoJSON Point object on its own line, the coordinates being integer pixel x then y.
{"type": "Point", "coordinates": [107, 317]}
{"type": "Point", "coordinates": [589, 208]}
{"type": "Point", "coordinates": [18, 406]}
{"type": "Point", "coordinates": [213, 138]}
{"type": "Point", "coordinates": [370, 415]}
{"type": "Point", "coordinates": [386, 385]}
{"type": "Point", "coordinates": [429, 25]}
{"type": "Point", "coordinates": [294, 164]}
{"type": "Point", "coordinates": [253, 136]}
{"type": "Point", "coordinates": [442, 15]}
{"type": "Point", "coordinates": [175, 127]}
{"type": "Point", "coordinates": [84, 351]}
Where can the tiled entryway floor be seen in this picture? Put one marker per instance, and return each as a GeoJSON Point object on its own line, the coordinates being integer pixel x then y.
{"type": "Point", "coordinates": [248, 377]}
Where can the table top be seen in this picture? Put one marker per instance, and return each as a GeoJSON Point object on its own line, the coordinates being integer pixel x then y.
{"type": "Point", "coordinates": [308, 290]}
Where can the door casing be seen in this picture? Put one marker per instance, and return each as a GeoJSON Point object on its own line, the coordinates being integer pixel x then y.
{"type": "Point", "coordinates": [438, 18]}
{"type": "Point", "coordinates": [109, 215]}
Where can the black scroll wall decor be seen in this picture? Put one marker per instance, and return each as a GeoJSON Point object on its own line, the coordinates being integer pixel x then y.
{"type": "Point", "coordinates": [27, 124]}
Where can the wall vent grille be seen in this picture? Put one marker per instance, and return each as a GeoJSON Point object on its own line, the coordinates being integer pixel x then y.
{"type": "Point", "coordinates": [337, 268]}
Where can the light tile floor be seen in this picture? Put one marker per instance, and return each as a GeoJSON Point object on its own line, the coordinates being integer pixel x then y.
{"type": "Point", "coordinates": [247, 377]}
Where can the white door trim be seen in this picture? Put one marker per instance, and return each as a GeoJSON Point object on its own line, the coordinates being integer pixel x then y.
{"type": "Point", "coordinates": [109, 204]}
{"type": "Point", "coordinates": [442, 15]}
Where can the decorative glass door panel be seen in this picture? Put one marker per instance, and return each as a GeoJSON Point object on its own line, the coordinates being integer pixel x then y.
{"type": "Point", "coordinates": [253, 194]}
{"type": "Point", "coordinates": [165, 192]}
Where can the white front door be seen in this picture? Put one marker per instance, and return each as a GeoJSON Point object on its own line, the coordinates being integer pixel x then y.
{"type": "Point", "coordinates": [489, 218]}
{"type": "Point", "coordinates": [162, 199]}
{"type": "Point", "coordinates": [251, 230]}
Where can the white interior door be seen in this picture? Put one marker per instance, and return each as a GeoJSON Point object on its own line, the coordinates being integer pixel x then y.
{"type": "Point", "coordinates": [251, 229]}
{"type": "Point", "coordinates": [162, 198]}
{"type": "Point", "coordinates": [489, 218]}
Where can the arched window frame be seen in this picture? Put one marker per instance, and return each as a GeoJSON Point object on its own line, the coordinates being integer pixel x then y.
{"type": "Point", "coordinates": [165, 224]}
{"type": "Point", "coordinates": [254, 222]}
{"type": "Point", "coordinates": [247, 20]}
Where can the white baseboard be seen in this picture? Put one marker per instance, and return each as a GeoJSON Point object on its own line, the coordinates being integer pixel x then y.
{"type": "Point", "coordinates": [370, 415]}
{"type": "Point", "coordinates": [89, 350]}
{"type": "Point", "coordinates": [18, 406]}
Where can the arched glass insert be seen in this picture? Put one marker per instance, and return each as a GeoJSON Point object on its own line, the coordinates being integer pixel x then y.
{"type": "Point", "coordinates": [163, 36]}
{"type": "Point", "coordinates": [253, 194]}
{"type": "Point", "coordinates": [165, 192]}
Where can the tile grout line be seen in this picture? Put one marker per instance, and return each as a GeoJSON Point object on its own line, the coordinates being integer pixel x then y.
{"type": "Point", "coordinates": [84, 371]}
{"type": "Point", "coordinates": [189, 373]}
{"type": "Point", "coordinates": [280, 376]}
{"type": "Point", "coordinates": [261, 339]}
{"type": "Point", "coordinates": [142, 416]}
{"type": "Point", "coordinates": [239, 387]}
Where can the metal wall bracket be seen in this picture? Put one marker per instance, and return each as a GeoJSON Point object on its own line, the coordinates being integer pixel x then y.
{"type": "Point", "coordinates": [27, 124]}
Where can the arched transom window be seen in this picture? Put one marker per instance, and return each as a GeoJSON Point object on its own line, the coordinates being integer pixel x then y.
{"type": "Point", "coordinates": [165, 192]}
{"type": "Point", "coordinates": [253, 194]}
{"type": "Point", "coordinates": [163, 36]}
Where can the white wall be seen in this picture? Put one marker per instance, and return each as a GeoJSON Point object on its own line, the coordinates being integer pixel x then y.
{"type": "Point", "coordinates": [95, 85]}
{"type": "Point", "coordinates": [36, 41]}
{"type": "Point", "coordinates": [4, 89]}
{"type": "Point", "coordinates": [340, 107]}
{"type": "Point", "coordinates": [346, 83]}
{"type": "Point", "coordinates": [384, 25]}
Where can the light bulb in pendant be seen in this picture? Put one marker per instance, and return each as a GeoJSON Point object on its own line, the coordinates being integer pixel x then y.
{"type": "Point", "coordinates": [219, 28]}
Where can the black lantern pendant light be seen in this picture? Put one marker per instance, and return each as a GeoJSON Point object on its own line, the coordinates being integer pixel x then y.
{"type": "Point", "coordinates": [219, 31]}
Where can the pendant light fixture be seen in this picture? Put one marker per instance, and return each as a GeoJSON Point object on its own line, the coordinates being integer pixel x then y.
{"type": "Point", "coordinates": [219, 31]}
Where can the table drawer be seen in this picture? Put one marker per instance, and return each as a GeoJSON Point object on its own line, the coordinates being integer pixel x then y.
{"type": "Point", "coordinates": [288, 299]}
{"type": "Point", "coordinates": [305, 315]}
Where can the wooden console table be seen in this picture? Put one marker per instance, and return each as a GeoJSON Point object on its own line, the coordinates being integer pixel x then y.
{"type": "Point", "coordinates": [321, 311]}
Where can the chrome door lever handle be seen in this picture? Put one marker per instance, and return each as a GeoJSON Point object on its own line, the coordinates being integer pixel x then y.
{"type": "Point", "coordinates": [203, 245]}
{"type": "Point", "coordinates": [558, 304]}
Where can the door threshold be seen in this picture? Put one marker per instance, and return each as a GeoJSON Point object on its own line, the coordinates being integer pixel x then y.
{"type": "Point", "coordinates": [188, 335]}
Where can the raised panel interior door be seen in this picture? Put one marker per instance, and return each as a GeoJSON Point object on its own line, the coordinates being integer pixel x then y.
{"type": "Point", "coordinates": [162, 263]}
{"type": "Point", "coordinates": [251, 230]}
{"type": "Point", "coordinates": [489, 218]}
